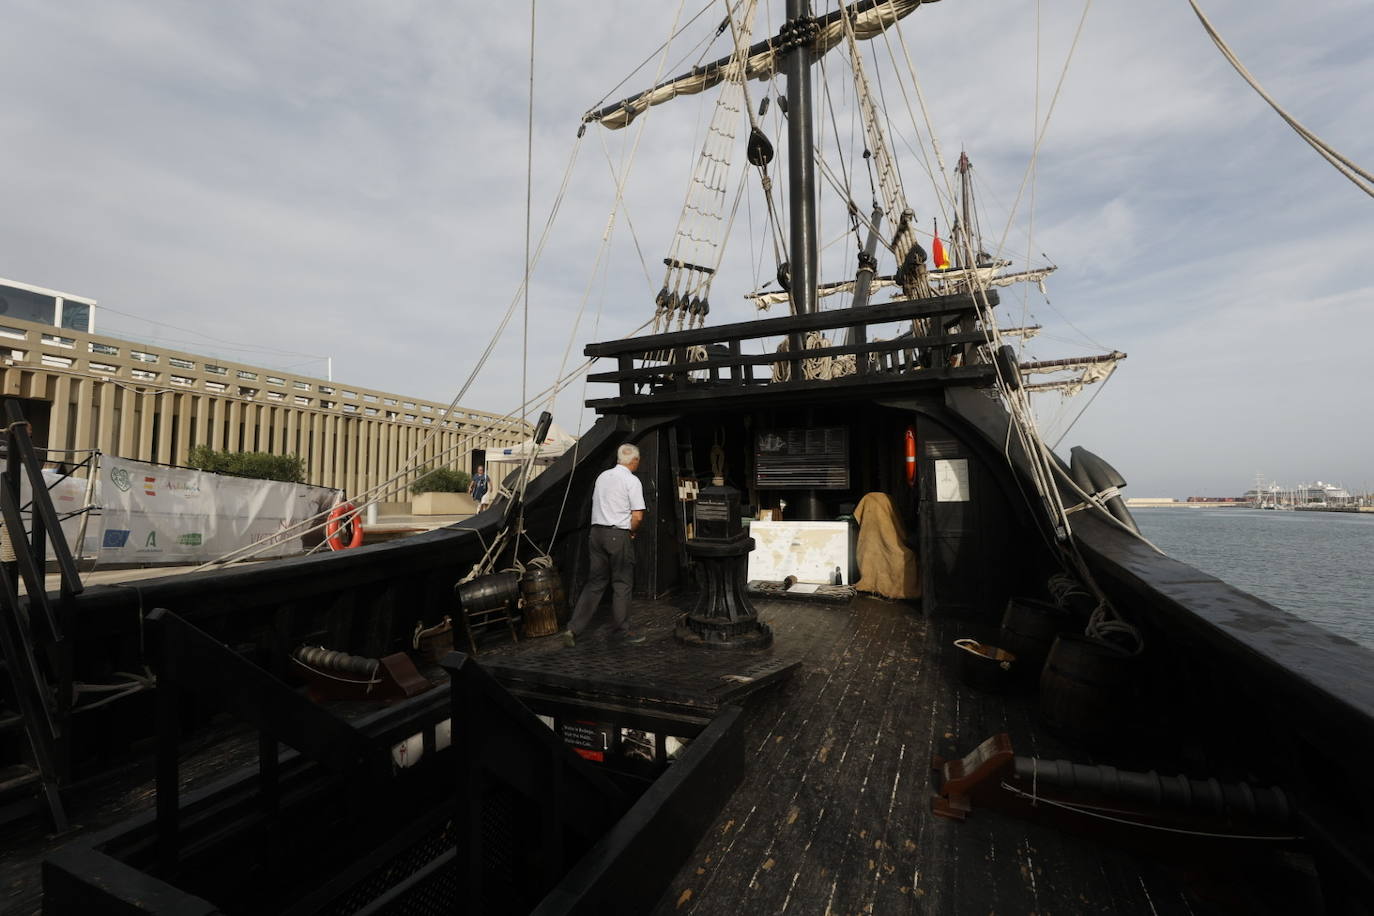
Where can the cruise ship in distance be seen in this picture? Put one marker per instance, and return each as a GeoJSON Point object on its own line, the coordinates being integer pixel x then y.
{"type": "Point", "coordinates": [1320, 493]}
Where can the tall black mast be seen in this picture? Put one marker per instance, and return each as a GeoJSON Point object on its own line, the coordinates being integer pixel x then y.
{"type": "Point", "coordinates": [966, 211]}
{"type": "Point", "coordinates": [799, 33]}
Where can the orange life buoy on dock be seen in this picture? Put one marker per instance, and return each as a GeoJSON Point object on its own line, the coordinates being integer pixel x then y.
{"type": "Point", "coordinates": [910, 456]}
{"type": "Point", "coordinates": [343, 516]}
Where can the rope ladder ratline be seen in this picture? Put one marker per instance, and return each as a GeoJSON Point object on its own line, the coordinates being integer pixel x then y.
{"type": "Point", "coordinates": [699, 238]}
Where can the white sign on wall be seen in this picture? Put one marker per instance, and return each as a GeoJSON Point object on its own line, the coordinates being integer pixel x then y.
{"type": "Point", "coordinates": [951, 480]}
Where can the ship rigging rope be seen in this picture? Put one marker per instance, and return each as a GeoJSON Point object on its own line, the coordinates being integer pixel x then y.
{"type": "Point", "coordinates": [703, 228]}
{"type": "Point", "coordinates": [941, 168]}
{"type": "Point", "coordinates": [1043, 129]}
{"type": "Point", "coordinates": [530, 263]}
{"type": "Point", "coordinates": [704, 44]}
{"type": "Point", "coordinates": [438, 427]}
{"type": "Point", "coordinates": [363, 500]}
{"type": "Point", "coordinates": [600, 266]}
{"type": "Point", "coordinates": [1042, 465]}
{"type": "Point", "coordinates": [881, 160]}
{"type": "Point", "coordinates": [765, 182]}
{"type": "Point", "coordinates": [369, 496]}
{"type": "Point", "coordinates": [634, 236]}
{"type": "Point", "coordinates": [529, 209]}
{"type": "Point", "coordinates": [602, 258]}
{"type": "Point", "coordinates": [839, 147]}
{"type": "Point", "coordinates": [1358, 176]}
{"type": "Point", "coordinates": [1084, 410]}
{"type": "Point", "coordinates": [1023, 424]}
{"type": "Point", "coordinates": [1030, 210]}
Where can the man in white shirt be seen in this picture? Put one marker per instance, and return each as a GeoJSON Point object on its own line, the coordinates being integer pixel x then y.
{"type": "Point", "coordinates": [617, 510]}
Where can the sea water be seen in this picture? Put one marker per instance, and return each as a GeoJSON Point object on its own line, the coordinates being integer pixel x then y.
{"type": "Point", "coordinates": [1313, 564]}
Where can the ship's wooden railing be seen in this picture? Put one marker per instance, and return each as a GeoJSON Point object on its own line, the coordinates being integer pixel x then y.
{"type": "Point", "coordinates": [672, 366]}
{"type": "Point", "coordinates": [1291, 704]}
{"type": "Point", "coordinates": [35, 652]}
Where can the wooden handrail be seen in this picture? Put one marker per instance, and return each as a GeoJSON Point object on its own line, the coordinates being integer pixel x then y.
{"type": "Point", "coordinates": [902, 310]}
{"type": "Point", "coordinates": [764, 359]}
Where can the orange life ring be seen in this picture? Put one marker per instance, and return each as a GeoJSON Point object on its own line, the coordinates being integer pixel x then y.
{"type": "Point", "coordinates": [910, 456]}
{"type": "Point", "coordinates": [341, 516]}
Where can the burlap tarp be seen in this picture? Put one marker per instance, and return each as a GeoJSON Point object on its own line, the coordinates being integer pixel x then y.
{"type": "Point", "coordinates": [887, 566]}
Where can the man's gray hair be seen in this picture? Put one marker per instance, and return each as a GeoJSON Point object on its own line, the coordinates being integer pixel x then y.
{"type": "Point", "coordinates": [626, 453]}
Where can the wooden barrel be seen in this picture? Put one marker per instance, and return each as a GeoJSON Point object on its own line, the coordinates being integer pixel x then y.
{"type": "Point", "coordinates": [1086, 689]}
{"type": "Point", "coordinates": [486, 593]}
{"type": "Point", "coordinates": [546, 605]}
{"type": "Point", "coordinates": [1028, 631]}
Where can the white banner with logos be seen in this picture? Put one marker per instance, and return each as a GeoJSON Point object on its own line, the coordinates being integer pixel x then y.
{"type": "Point", "coordinates": [156, 514]}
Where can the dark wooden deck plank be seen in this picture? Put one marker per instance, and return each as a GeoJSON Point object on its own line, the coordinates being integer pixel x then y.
{"type": "Point", "coordinates": [774, 753]}
{"type": "Point", "coordinates": [833, 815]}
{"type": "Point", "coordinates": [840, 862]}
{"type": "Point", "coordinates": [784, 816]}
{"type": "Point", "coordinates": [804, 835]}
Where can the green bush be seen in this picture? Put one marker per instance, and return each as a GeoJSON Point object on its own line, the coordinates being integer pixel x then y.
{"type": "Point", "coordinates": [258, 465]}
{"type": "Point", "coordinates": [442, 480]}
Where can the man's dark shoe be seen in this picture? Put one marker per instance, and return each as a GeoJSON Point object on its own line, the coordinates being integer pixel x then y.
{"type": "Point", "coordinates": [633, 640]}
{"type": "Point", "coordinates": [569, 640]}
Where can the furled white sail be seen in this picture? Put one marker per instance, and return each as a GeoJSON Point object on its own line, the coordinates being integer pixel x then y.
{"type": "Point", "coordinates": [869, 19]}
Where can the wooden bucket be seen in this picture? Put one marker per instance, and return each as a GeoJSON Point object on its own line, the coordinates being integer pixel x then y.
{"type": "Point", "coordinates": [984, 667]}
{"type": "Point", "coordinates": [546, 605]}
{"type": "Point", "coordinates": [1086, 689]}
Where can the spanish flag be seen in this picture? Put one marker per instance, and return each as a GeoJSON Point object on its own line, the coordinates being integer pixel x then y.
{"type": "Point", "coordinates": [941, 257]}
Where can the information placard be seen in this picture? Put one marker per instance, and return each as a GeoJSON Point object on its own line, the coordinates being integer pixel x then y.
{"type": "Point", "coordinates": [951, 480]}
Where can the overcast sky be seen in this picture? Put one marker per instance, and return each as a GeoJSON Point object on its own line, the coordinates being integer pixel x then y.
{"type": "Point", "coordinates": [348, 180]}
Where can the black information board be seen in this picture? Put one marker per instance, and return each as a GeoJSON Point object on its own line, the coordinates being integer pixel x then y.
{"type": "Point", "coordinates": [802, 458]}
{"type": "Point", "coordinates": [590, 739]}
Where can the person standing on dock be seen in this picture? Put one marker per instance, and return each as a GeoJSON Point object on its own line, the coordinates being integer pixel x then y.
{"type": "Point", "coordinates": [479, 486]}
{"type": "Point", "coordinates": [617, 511]}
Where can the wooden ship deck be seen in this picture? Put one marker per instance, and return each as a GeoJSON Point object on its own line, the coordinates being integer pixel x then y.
{"type": "Point", "coordinates": [833, 814]}
{"type": "Point", "coordinates": [842, 715]}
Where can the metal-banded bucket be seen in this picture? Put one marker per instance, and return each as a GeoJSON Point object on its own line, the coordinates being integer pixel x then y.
{"type": "Point", "coordinates": [546, 604]}
{"type": "Point", "coordinates": [984, 667]}
{"type": "Point", "coordinates": [1086, 689]}
{"type": "Point", "coordinates": [487, 593]}
{"type": "Point", "coordinates": [1028, 631]}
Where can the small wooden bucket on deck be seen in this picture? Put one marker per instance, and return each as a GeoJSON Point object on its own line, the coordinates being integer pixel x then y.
{"type": "Point", "coordinates": [546, 604]}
